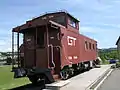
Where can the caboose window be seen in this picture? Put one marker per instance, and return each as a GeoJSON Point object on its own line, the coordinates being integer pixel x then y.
{"type": "Point", "coordinates": [60, 20]}
{"type": "Point", "coordinates": [93, 47]}
{"type": "Point", "coordinates": [72, 23]}
{"type": "Point", "coordinates": [86, 45]}
{"type": "Point", "coordinates": [96, 46]}
{"type": "Point", "coordinates": [40, 39]}
{"type": "Point", "coordinates": [89, 45]}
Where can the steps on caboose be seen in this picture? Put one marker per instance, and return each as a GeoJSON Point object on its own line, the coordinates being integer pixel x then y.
{"type": "Point", "coordinates": [56, 85]}
{"type": "Point", "coordinates": [56, 77]}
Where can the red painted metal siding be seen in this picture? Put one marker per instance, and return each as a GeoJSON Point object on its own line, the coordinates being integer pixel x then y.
{"type": "Point", "coordinates": [87, 54]}
{"type": "Point", "coordinates": [73, 48]}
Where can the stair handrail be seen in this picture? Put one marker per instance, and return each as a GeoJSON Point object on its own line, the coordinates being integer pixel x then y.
{"type": "Point", "coordinates": [52, 55]}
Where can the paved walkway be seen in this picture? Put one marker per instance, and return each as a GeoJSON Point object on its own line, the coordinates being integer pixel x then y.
{"type": "Point", "coordinates": [82, 81]}
{"type": "Point", "coordinates": [112, 82]}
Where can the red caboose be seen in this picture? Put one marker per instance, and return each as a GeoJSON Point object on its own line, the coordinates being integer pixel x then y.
{"type": "Point", "coordinates": [52, 47]}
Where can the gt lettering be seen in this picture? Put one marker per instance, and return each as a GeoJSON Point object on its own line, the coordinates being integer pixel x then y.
{"type": "Point", "coordinates": [71, 40]}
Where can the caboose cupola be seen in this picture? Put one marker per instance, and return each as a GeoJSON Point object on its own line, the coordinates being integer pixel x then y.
{"type": "Point", "coordinates": [72, 22]}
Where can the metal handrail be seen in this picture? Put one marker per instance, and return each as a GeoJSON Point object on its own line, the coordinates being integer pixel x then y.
{"type": "Point", "coordinates": [52, 54]}
{"type": "Point", "coordinates": [64, 52]}
{"type": "Point", "coordinates": [59, 48]}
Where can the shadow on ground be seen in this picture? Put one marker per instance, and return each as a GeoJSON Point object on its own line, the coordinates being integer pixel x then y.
{"type": "Point", "coordinates": [38, 86]}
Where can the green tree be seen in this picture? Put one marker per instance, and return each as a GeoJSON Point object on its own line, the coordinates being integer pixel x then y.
{"type": "Point", "coordinates": [107, 54]}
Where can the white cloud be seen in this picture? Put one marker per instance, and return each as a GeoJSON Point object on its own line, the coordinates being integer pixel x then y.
{"type": "Point", "coordinates": [88, 30]}
{"type": "Point", "coordinates": [70, 1]}
{"type": "Point", "coordinates": [2, 42]}
{"type": "Point", "coordinates": [105, 37]}
{"type": "Point", "coordinates": [94, 30]}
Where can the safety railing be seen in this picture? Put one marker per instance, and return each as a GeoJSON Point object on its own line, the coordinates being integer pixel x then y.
{"type": "Point", "coordinates": [51, 49]}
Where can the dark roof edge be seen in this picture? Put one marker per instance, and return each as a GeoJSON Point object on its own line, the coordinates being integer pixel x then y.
{"type": "Point", "coordinates": [56, 13]}
{"type": "Point", "coordinates": [72, 16]}
{"type": "Point", "coordinates": [118, 40]}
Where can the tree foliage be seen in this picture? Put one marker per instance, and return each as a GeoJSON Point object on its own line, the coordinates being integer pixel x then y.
{"type": "Point", "coordinates": [107, 54]}
{"type": "Point", "coordinates": [5, 56]}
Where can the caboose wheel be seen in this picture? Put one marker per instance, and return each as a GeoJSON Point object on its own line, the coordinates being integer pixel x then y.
{"type": "Point", "coordinates": [64, 75]}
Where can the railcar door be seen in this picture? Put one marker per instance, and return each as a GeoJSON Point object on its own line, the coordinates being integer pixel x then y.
{"type": "Point", "coordinates": [41, 50]}
{"type": "Point", "coordinates": [29, 52]}
{"type": "Point", "coordinates": [54, 50]}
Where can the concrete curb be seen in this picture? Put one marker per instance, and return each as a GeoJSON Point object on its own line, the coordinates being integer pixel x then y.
{"type": "Point", "coordinates": [98, 79]}
{"type": "Point", "coordinates": [103, 79]}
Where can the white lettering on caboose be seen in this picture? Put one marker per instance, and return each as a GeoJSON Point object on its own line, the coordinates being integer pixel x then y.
{"type": "Point", "coordinates": [71, 40]}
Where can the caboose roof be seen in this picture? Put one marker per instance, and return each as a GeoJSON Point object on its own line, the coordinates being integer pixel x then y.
{"type": "Point", "coordinates": [58, 13]}
{"type": "Point", "coordinates": [16, 29]}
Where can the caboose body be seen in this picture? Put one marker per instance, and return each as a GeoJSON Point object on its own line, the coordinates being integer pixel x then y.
{"type": "Point", "coordinates": [52, 48]}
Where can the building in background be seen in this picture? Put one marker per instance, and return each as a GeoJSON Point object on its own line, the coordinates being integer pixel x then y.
{"type": "Point", "coordinates": [118, 47]}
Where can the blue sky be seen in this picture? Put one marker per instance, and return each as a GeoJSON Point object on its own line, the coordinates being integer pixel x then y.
{"type": "Point", "coordinates": [99, 19]}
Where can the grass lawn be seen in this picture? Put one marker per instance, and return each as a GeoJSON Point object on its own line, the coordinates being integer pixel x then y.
{"type": "Point", "coordinates": [7, 80]}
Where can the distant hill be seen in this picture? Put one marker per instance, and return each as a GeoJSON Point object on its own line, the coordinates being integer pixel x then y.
{"type": "Point", "coordinates": [107, 49]}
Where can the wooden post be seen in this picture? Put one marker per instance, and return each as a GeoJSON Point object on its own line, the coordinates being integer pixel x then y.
{"type": "Point", "coordinates": [18, 49]}
{"type": "Point", "coordinates": [35, 55]}
{"type": "Point", "coordinates": [13, 50]}
{"type": "Point", "coordinates": [47, 43]}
